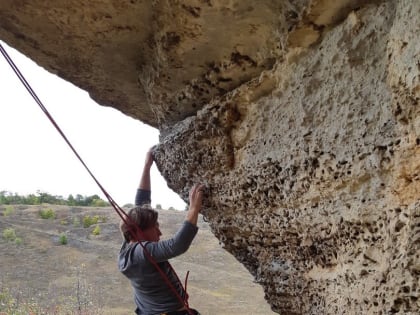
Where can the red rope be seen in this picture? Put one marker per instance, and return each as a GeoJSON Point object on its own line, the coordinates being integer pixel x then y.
{"type": "Point", "coordinates": [134, 228]}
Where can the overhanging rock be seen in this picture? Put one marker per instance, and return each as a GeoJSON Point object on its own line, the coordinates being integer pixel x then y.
{"type": "Point", "coordinates": [301, 118]}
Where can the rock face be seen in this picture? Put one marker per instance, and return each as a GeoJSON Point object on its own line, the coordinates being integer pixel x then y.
{"type": "Point", "coordinates": [301, 117]}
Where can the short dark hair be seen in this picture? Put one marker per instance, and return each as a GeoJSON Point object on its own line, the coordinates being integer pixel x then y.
{"type": "Point", "coordinates": [142, 217]}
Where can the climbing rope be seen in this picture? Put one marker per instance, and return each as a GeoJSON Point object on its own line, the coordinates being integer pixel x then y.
{"type": "Point", "coordinates": [135, 230]}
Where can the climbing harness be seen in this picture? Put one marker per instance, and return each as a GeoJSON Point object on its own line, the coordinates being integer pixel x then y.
{"type": "Point", "coordinates": [135, 230]}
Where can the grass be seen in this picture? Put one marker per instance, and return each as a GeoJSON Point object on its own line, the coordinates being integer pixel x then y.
{"type": "Point", "coordinates": [9, 210]}
{"type": "Point", "coordinates": [9, 234]}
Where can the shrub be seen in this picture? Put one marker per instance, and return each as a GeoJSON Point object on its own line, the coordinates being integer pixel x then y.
{"type": "Point", "coordinates": [9, 234]}
{"type": "Point", "coordinates": [8, 211]}
{"type": "Point", "coordinates": [62, 239]}
{"type": "Point", "coordinates": [47, 214]}
{"type": "Point", "coordinates": [18, 241]}
{"type": "Point", "coordinates": [88, 220]}
{"type": "Point", "coordinates": [96, 230]}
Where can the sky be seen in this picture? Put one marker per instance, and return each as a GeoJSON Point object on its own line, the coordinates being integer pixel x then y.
{"type": "Point", "coordinates": [34, 157]}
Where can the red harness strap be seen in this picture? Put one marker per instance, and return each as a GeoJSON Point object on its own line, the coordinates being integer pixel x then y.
{"type": "Point", "coordinates": [134, 228]}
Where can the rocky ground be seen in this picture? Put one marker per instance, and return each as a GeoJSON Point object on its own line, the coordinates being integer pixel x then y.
{"type": "Point", "coordinates": [81, 277]}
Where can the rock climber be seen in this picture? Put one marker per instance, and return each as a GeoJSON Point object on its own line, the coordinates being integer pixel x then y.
{"type": "Point", "coordinates": [152, 294]}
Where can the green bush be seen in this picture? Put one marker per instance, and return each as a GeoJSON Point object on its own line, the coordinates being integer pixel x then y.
{"type": "Point", "coordinates": [8, 211]}
{"type": "Point", "coordinates": [9, 234]}
{"type": "Point", "coordinates": [47, 214]}
{"type": "Point", "coordinates": [18, 241]}
{"type": "Point", "coordinates": [62, 239]}
{"type": "Point", "coordinates": [96, 230]}
{"type": "Point", "coordinates": [88, 220]}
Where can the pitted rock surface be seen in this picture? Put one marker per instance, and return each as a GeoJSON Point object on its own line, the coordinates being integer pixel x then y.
{"type": "Point", "coordinates": [302, 118]}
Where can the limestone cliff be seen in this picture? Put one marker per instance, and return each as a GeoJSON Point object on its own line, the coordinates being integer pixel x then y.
{"type": "Point", "coordinates": [302, 117]}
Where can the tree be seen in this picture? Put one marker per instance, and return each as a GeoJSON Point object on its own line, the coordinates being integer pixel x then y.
{"type": "Point", "coordinates": [9, 198]}
{"type": "Point", "coordinates": [71, 201]}
{"type": "Point", "coordinates": [98, 203]}
{"type": "Point", "coordinates": [32, 199]}
{"type": "Point", "coordinates": [79, 200]}
{"type": "Point", "coordinates": [3, 197]}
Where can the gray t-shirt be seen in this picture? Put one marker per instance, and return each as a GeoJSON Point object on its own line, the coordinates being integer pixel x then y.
{"type": "Point", "coordinates": [152, 294]}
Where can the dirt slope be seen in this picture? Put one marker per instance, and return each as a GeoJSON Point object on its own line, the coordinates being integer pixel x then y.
{"type": "Point", "coordinates": [83, 273]}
